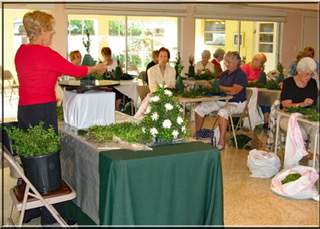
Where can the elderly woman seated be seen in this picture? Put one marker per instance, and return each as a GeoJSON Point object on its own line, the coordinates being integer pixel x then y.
{"type": "Point", "coordinates": [204, 65]}
{"type": "Point", "coordinates": [300, 91]}
{"type": "Point", "coordinates": [232, 82]}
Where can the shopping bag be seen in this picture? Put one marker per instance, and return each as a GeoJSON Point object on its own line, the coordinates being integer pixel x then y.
{"type": "Point", "coordinates": [263, 164]}
{"type": "Point", "coordinates": [303, 187]}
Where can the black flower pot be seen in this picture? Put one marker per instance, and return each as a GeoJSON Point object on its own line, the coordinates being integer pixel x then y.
{"type": "Point", "coordinates": [44, 172]}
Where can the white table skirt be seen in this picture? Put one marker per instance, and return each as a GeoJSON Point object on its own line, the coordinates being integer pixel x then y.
{"type": "Point", "coordinates": [90, 108]}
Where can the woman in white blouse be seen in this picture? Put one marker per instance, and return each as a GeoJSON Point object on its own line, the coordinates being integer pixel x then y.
{"type": "Point", "coordinates": [162, 73]}
{"type": "Point", "coordinates": [204, 64]}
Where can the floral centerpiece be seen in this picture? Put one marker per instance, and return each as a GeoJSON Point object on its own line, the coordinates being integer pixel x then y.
{"type": "Point", "coordinates": [163, 120]}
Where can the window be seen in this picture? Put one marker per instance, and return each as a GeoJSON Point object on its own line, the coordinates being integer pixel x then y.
{"type": "Point", "coordinates": [246, 37]}
{"type": "Point", "coordinates": [214, 32]}
{"type": "Point", "coordinates": [144, 34]}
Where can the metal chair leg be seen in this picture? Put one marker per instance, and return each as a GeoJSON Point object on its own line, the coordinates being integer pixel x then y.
{"type": "Point", "coordinates": [234, 134]}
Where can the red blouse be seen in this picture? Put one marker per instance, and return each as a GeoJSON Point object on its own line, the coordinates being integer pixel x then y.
{"type": "Point", "coordinates": [38, 68]}
{"type": "Point", "coordinates": [252, 74]}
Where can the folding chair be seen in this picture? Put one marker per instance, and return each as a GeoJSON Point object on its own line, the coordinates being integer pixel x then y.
{"type": "Point", "coordinates": [25, 196]}
{"type": "Point", "coordinates": [10, 83]}
{"type": "Point", "coordinates": [242, 115]}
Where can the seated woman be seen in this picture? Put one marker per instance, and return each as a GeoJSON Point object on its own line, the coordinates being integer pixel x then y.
{"type": "Point", "coordinates": [300, 91]}
{"type": "Point", "coordinates": [217, 58]}
{"type": "Point", "coordinates": [233, 82]}
{"type": "Point", "coordinates": [204, 64]}
{"type": "Point", "coordinates": [75, 57]}
{"type": "Point", "coordinates": [155, 56]}
{"type": "Point", "coordinates": [253, 70]}
{"type": "Point", "coordinates": [160, 74]}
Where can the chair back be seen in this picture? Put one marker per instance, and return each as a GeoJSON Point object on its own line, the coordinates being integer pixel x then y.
{"type": "Point", "coordinates": [143, 76]}
{"type": "Point", "coordinates": [143, 90]}
{"type": "Point", "coordinates": [8, 77]}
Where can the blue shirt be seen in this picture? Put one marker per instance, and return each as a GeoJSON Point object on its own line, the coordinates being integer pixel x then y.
{"type": "Point", "coordinates": [236, 77]}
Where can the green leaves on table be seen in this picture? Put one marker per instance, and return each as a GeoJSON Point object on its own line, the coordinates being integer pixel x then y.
{"type": "Point", "coordinates": [130, 132]}
{"type": "Point", "coordinates": [291, 177]}
{"type": "Point", "coordinates": [196, 91]}
{"type": "Point", "coordinates": [204, 76]}
{"type": "Point", "coordinates": [310, 113]}
{"type": "Point", "coordinates": [271, 84]}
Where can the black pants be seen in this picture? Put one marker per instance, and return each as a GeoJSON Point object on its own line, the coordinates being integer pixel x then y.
{"type": "Point", "coordinates": [29, 116]}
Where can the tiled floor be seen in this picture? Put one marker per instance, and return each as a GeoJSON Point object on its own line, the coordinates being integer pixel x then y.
{"type": "Point", "coordinates": [247, 201]}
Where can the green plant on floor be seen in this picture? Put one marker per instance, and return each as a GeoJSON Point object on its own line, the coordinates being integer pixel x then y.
{"type": "Point", "coordinates": [35, 141]}
{"type": "Point", "coordinates": [60, 113]}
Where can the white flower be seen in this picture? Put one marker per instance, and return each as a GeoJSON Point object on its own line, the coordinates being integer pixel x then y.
{"type": "Point", "coordinates": [168, 106]}
{"type": "Point", "coordinates": [168, 92]}
{"type": "Point", "coordinates": [153, 131]}
{"type": "Point", "coordinates": [175, 134]}
{"type": "Point", "coordinates": [179, 120]}
{"type": "Point", "coordinates": [148, 110]}
{"type": "Point", "coordinates": [155, 98]}
{"type": "Point", "coordinates": [166, 124]}
{"type": "Point", "coordinates": [154, 116]}
{"type": "Point", "coordinates": [143, 130]}
{"type": "Point", "coordinates": [162, 85]}
{"type": "Point", "coordinates": [183, 129]}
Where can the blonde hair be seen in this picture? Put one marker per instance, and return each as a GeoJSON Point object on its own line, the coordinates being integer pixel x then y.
{"type": "Point", "coordinates": [36, 21]}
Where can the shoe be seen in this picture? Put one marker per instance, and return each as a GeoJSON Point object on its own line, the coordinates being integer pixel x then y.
{"type": "Point", "coordinates": [204, 133]}
{"type": "Point", "coordinates": [220, 147]}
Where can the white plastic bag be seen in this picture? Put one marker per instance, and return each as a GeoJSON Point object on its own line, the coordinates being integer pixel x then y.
{"type": "Point", "coordinates": [302, 188]}
{"type": "Point", "coordinates": [263, 164]}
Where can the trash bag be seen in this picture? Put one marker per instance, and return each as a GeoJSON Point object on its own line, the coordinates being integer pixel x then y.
{"type": "Point", "coordinates": [301, 187]}
{"type": "Point", "coordinates": [263, 164]}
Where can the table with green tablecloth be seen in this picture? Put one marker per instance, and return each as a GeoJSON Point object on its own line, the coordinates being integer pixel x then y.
{"type": "Point", "coordinates": [178, 184]}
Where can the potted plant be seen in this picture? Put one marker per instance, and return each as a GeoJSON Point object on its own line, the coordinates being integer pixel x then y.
{"type": "Point", "coordinates": [38, 149]}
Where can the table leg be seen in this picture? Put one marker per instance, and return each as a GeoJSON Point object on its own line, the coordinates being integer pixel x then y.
{"type": "Point", "coordinates": [316, 139]}
{"type": "Point", "coordinates": [277, 134]}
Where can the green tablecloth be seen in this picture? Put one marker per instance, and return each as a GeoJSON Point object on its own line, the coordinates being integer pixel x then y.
{"type": "Point", "coordinates": [172, 185]}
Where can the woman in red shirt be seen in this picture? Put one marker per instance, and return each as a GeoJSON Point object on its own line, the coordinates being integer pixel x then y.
{"type": "Point", "coordinates": [254, 68]}
{"type": "Point", "coordinates": [38, 68]}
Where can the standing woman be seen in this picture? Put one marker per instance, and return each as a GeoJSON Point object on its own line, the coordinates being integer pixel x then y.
{"type": "Point", "coordinates": [38, 68]}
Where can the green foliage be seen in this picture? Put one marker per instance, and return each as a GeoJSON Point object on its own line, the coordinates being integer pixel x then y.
{"type": "Point", "coordinates": [205, 76]}
{"type": "Point", "coordinates": [271, 84]}
{"type": "Point", "coordinates": [126, 131]}
{"type": "Point", "coordinates": [310, 113]}
{"type": "Point", "coordinates": [116, 28]}
{"type": "Point", "coordinates": [178, 66]}
{"type": "Point", "coordinates": [76, 27]}
{"type": "Point", "coordinates": [191, 71]}
{"type": "Point", "coordinates": [134, 29]}
{"type": "Point", "coordinates": [262, 78]}
{"type": "Point", "coordinates": [291, 177]}
{"type": "Point", "coordinates": [163, 120]}
{"type": "Point", "coordinates": [135, 60]}
{"type": "Point", "coordinates": [196, 91]}
{"type": "Point", "coordinates": [179, 85]}
{"type": "Point", "coordinates": [242, 140]}
{"type": "Point", "coordinates": [35, 141]}
{"type": "Point", "coordinates": [60, 113]}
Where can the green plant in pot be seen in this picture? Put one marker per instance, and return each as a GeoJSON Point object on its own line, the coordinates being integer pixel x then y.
{"type": "Point", "coordinates": [191, 71]}
{"type": "Point", "coordinates": [38, 149]}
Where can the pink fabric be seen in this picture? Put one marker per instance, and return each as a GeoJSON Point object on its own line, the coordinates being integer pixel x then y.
{"type": "Point", "coordinates": [295, 148]}
{"type": "Point", "coordinates": [252, 74]}
{"type": "Point", "coordinates": [38, 68]}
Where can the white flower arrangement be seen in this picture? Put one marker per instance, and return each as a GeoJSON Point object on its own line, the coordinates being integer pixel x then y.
{"type": "Point", "coordinates": [164, 122]}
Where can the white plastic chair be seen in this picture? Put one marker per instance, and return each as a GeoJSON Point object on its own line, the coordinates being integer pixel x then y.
{"type": "Point", "coordinates": [32, 198]}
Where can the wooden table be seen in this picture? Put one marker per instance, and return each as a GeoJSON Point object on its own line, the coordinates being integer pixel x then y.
{"type": "Point", "coordinates": [280, 114]}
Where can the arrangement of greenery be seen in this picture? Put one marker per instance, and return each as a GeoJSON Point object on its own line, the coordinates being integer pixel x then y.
{"type": "Point", "coordinates": [291, 177]}
{"type": "Point", "coordinates": [196, 91]}
{"type": "Point", "coordinates": [271, 84]}
{"type": "Point", "coordinates": [178, 66]}
{"type": "Point", "coordinates": [310, 113]}
{"type": "Point", "coordinates": [35, 141]}
{"type": "Point", "coordinates": [204, 76]}
{"type": "Point", "coordinates": [163, 119]}
{"type": "Point", "coordinates": [191, 71]}
{"type": "Point", "coordinates": [130, 132]}
{"type": "Point", "coordinates": [87, 43]}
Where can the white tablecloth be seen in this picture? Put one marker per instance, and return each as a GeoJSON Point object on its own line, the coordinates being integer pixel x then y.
{"type": "Point", "coordinates": [129, 88]}
{"type": "Point", "coordinates": [90, 108]}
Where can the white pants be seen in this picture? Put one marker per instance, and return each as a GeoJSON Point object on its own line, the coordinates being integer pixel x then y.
{"type": "Point", "coordinates": [224, 109]}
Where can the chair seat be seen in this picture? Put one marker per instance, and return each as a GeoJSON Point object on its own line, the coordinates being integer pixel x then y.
{"type": "Point", "coordinates": [64, 193]}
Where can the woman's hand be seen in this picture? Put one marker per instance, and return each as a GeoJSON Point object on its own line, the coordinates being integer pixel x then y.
{"type": "Point", "coordinates": [99, 68]}
{"type": "Point", "coordinates": [308, 102]}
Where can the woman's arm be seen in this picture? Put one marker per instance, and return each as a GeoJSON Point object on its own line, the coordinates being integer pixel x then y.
{"type": "Point", "coordinates": [232, 90]}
